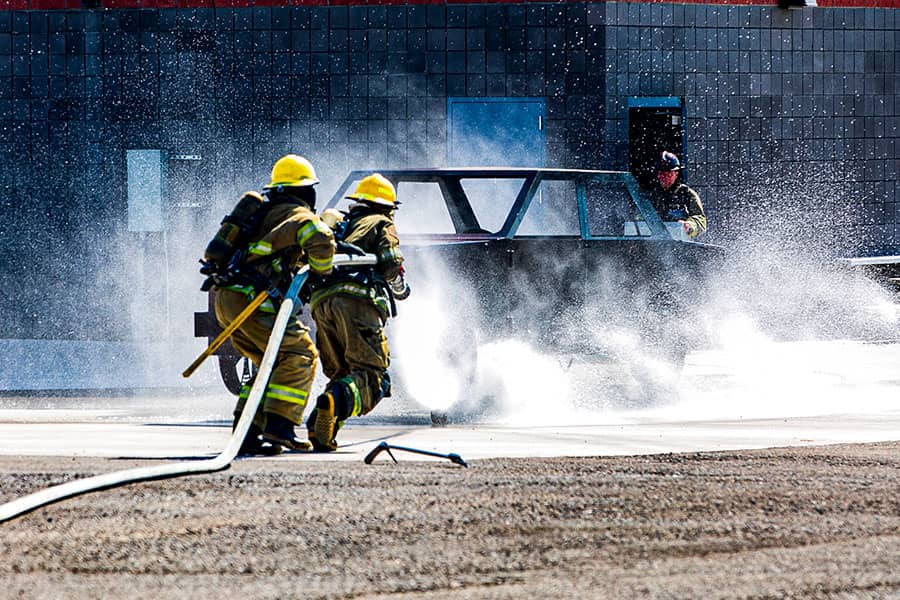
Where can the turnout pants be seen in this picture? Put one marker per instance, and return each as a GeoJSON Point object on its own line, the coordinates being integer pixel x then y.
{"type": "Point", "coordinates": [295, 365]}
{"type": "Point", "coordinates": [353, 347]}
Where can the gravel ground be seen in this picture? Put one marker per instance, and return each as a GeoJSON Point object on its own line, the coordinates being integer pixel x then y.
{"type": "Point", "coordinates": [819, 522]}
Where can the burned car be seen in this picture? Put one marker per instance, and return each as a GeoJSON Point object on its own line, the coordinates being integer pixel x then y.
{"type": "Point", "coordinates": [566, 260]}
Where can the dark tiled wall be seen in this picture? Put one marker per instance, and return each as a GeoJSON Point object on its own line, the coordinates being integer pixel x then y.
{"type": "Point", "coordinates": [350, 87]}
{"type": "Point", "coordinates": [783, 108]}
{"type": "Point", "coordinates": [792, 115]}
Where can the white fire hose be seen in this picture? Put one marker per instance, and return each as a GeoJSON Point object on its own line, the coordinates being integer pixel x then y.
{"type": "Point", "coordinates": [53, 494]}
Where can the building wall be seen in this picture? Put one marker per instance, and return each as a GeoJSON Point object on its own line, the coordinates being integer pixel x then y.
{"type": "Point", "coordinates": [786, 111]}
{"type": "Point", "coordinates": [791, 114]}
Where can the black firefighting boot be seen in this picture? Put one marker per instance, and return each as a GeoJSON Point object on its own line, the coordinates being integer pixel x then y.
{"type": "Point", "coordinates": [254, 445]}
{"type": "Point", "coordinates": [331, 410]}
{"type": "Point", "coordinates": [280, 431]}
{"type": "Point", "coordinates": [322, 424]}
{"type": "Point", "coordinates": [310, 430]}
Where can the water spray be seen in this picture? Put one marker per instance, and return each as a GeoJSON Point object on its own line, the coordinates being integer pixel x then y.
{"type": "Point", "coordinates": [221, 462]}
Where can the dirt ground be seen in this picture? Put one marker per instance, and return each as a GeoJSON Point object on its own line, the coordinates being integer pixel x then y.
{"type": "Point", "coordinates": [820, 522]}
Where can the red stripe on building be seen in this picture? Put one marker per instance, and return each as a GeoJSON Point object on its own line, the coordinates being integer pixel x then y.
{"type": "Point", "coordinates": [6, 5]}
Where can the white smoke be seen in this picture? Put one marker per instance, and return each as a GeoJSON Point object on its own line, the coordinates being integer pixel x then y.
{"type": "Point", "coordinates": [785, 330]}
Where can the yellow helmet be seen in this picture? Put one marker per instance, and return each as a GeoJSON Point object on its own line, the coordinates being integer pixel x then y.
{"type": "Point", "coordinates": [375, 189]}
{"type": "Point", "coordinates": [292, 171]}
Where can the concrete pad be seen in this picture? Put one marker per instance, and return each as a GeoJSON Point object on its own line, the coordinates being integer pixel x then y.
{"type": "Point", "coordinates": [648, 436]}
{"type": "Point", "coordinates": [755, 396]}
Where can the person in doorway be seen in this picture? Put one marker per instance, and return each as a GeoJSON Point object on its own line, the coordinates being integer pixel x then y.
{"type": "Point", "coordinates": [674, 201]}
{"type": "Point", "coordinates": [281, 235]}
{"type": "Point", "coordinates": [350, 309]}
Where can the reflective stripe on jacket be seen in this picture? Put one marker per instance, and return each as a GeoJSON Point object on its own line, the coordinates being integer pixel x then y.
{"type": "Point", "coordinates": [294, 225]}
{"type": "Point", "coordinates": [374, 232]}
{"type": "Point", "coordinates": [295, 235]}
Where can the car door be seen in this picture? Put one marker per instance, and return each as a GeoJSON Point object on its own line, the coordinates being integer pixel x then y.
{"type": "Point", "coordinates": [546, 283]}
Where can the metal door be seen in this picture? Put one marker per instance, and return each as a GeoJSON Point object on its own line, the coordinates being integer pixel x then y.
{"type": "Point", "coordinates": [496, 132]}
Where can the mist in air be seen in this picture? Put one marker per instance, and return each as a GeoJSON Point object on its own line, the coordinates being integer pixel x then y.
{"type": "Point", "coordinates": [787, 331]}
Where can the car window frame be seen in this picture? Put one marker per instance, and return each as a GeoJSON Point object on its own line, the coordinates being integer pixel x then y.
{"type": "Point", "coordinates": [465, 222]}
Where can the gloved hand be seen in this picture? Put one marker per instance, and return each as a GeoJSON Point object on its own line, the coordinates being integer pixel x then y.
{"type": "Point", "coordinates": [399, 288]}
{"type": "Point", "coordinates": [688, 228]}
{"type": "Point", "coordinates": [342, 247]}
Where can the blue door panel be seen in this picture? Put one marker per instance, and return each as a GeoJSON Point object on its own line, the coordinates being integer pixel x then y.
{"type": "Point", "coordinates": [496, 132]}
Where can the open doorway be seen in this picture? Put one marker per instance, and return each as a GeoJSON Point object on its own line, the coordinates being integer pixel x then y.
{"type": "Point", "coordinates": [654, 124]}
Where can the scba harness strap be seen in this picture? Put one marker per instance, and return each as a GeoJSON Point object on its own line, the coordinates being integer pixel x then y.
{"type": "Point", "coordinates": [361, 283]}
{"type": "Point", "coordinates": [232, 260]}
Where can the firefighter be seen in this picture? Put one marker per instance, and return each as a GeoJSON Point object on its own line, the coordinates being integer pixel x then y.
{"type": "Point", "coordinates": [350, 309]}
{"type": "Point", "coordinates": [675, 201]}
{"type": "Point", "coordinates": [287, 234]}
